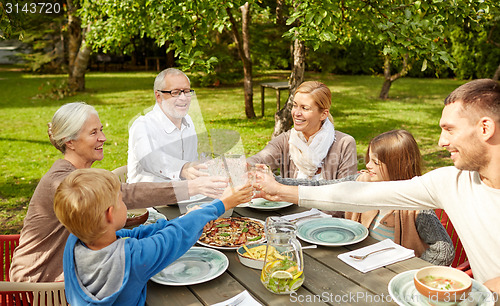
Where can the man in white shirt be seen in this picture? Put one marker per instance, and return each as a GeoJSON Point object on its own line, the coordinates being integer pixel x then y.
{"type": "Point", "coordinates": [163, 143]}
{"type": "Point", "coordinates": [469, 192]}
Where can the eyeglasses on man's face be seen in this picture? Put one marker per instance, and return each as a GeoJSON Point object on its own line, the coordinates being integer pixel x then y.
{"type": "Point", "coordinates": [177, 92]}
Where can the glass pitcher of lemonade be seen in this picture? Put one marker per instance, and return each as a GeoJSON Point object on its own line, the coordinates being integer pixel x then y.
{"type": "Point", "coordinates": [283, 271]}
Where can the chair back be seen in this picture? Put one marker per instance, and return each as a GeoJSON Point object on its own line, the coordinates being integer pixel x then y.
{"type": "Point", "coordinates": [122, 173]}
{"type": "Point", "coordinates": [7, 245]}
{"type": "Point", "coordinates": [33, 294]}
{"type": "Point", "coordinates": [460, 256]}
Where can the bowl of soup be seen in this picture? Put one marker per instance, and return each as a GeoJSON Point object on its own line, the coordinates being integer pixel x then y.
{"type": "Point", "coordinates": [440, 284]}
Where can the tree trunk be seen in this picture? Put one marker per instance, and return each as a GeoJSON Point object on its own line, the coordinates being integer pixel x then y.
{"type": "Point", "coordinates": [78, 50]}
{"type": "Point", "coordinates": [77, 77]}
{"type": "Point", "coordinates": [283, 118]}
{"type": "Point", "coordinates": [242, 43]}
{"type": "Point", "coordinates": [75, 37]}
{"type": "Point", "coordinates": [497, 74]}
{"type": "Point", "coordinates": [384, 93]}
{"type": "Point", "coordinates": [388, 78]}
{"type": "Point", "coordinates": [279, 12]}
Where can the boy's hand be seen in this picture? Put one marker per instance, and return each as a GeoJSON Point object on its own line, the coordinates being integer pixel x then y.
{"type": "Point", "coordinates": [237, 195]}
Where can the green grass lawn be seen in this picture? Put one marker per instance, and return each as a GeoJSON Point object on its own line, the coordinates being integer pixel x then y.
{"type": "Point", "coordinates": [26, 152]}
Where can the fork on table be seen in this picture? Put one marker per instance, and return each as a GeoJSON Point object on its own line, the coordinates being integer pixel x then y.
{"type": "Point", "coordinates": [361, 257]}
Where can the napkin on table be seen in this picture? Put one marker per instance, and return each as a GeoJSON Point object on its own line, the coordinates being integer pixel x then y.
{"type": "Point", "coordinates": [377, 260]}
{"type": "Point", "coordinates": [242, 299]}
{"type": "Point", "coordinates": [314, 213]}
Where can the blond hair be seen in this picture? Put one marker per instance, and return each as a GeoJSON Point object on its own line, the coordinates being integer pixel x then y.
{"type": "Point", "coordinates": [67, 123]}
{"type": "Point", "coordinates": [319, 92]}
{"type": "Point", "coordinates": [82, 199]}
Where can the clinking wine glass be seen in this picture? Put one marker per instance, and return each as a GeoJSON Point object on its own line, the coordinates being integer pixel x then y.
{"type": "Point", "coordinates": [283, 271]}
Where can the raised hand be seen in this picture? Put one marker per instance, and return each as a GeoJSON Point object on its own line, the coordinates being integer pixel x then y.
{"type": "Point", "coordinates": [265, 183]}
{"type": "Point", "coordinates": [192, 170]}
{"type": "Point", "coordinates": [237, 195]}
{"type": "Point", "coordinates": [210, 186]}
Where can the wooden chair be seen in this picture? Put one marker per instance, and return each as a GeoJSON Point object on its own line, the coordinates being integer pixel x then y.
{"type": "Point", "coordinates": [33, 294]}
{"type": "Point", "coordinates": [122, 173]}
{"type": "Point", "coordinates": [460, 261]}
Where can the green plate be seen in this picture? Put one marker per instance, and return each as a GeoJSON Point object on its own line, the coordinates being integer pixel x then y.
{"type": "Point", "coordinates": [331, 231]}
{"type": "Point", "coordinates": [197, 266]}
{"type": "Point", "coordinates": [403, 292]}
{"type": "Point", "coordinates": [264, 204]}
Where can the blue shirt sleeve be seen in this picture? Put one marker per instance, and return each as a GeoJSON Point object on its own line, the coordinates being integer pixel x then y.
{"type": "Point", "coordinates": [153, 247]}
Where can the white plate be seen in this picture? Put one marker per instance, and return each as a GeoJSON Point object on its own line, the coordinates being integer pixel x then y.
{"type": "Point", "coordinates": [403, 292]}
{"type": "Point", "coordinates": [195, 198]}
{"type": "Point", "coordinates": [263, 239]}
{"type": "Point", "coordinates": [263, 204]}
{"type": "Point", "coordinates": [331, 231]}
{"type": "Point", "coordinates": [196, 266]}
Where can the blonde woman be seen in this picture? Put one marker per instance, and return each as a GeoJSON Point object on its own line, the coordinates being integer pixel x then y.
{"type": "Point", "coordinates": [313, 149]}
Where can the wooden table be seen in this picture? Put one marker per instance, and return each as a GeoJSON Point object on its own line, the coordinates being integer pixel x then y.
{"type": "Point", "coordinates": [275, 85]}
{"type": "Point", "coordinates": [328, 280]}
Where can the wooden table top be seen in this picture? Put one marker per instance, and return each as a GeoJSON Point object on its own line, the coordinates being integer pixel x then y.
{"type": "Point", "coordinates": [328, 280]}
{"type": "Point", "coordinates": [275, 85]}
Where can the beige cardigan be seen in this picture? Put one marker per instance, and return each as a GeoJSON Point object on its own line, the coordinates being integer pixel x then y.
{"type": "Point", "coordinates": [340, 161]}
{"type": "Point", "coordinates": [39, 256]}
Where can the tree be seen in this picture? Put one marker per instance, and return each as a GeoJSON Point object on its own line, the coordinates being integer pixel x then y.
{"type": "Point", "coordinates": [311, 23]}
{"type": "Point", "coordinates": [79, 49]}
{"type": "Point", "coordinates": [403, 29]}
{"type": "Point", "coordinates": [242, 43]}
{"type": "Point", "coordinates": [494, 34]}
{"type": "Point", "coordinates": [496, 75]}
{"type": "Point", "coordinates": [186, 26]}
{"type": "Point", "coordinates": [10, 21]}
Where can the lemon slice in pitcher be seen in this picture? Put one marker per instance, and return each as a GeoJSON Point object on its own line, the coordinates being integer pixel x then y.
{"type": "Point", "coordinates": [282, 275]}
{"type": "Point", "coordinates": [294, 285]}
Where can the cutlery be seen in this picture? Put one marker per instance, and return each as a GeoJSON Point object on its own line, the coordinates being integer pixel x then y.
{"type": "Point", "coordinates": [315, 215]}
{"type": "Point", "coordinates": [237, 301]}
{"type": "Point", "coordinates": [361, 257]}
{"type": "Point", "coordinates": [312, 246]}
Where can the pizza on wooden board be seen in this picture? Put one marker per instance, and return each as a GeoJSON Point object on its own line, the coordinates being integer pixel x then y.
{"type": "Point", "coordinates": [232, 232]}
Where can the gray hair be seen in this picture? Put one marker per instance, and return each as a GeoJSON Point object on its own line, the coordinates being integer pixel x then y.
{"type": "Point", "coordinates": [67, 122]}
{"type": "Point", "coordinates": [162, 75]}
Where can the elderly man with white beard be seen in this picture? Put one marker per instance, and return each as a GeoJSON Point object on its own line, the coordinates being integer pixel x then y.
{"type": "Point", "coordinates": [163, 143]}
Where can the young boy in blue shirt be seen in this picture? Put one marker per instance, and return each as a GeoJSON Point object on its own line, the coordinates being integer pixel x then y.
{"type": "Point", "coordinates": [102, 268]}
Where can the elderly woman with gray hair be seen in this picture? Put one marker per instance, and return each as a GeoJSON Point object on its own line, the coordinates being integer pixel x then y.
{"type": "Point", "coordinates": [77, 132]}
